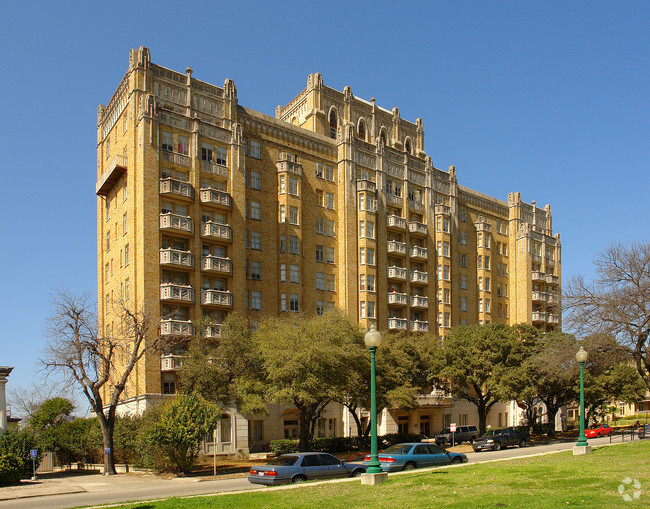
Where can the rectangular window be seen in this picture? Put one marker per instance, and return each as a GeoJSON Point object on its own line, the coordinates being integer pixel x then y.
{"type": "Point", "coordinates": [487, 263]}
{"type": "Point", "coordinates": [319, 170]}
{"type": "Point", "coordinates": [255, 180]}
{"type": "Point", "coordinates": [331, 283]}
{"type": "Point", "coordinates": [256, 300]}
{"type": "Point", "coordinates": [362, 229]}
{"type": "Point", "coordinates": [439, 224]}
{"type": "Point", "coordinates": [255, 270]}
{"type": "Point", "coordinates": [256, 210]}
{"type": "Point", "coordinates": [487, 305]}
{"type": "Point", "coordinates": [255, 149]}
{"type": "Point", "coordinates": [362, 201]}
{"type": "Point", "coordinates": [124, 224]}
{"type": "Point", "coordinates": [283, 272]}
{"type": "Point", "coordinates": [282, 184]}
{"type": "Point", "coordinates": [362, 282]}
{"type": "Point", "coordinates": [447, 296]}
{"type": "Point", "coordinates": [320, 281]}
{"type": "Point", "coordinates": [320, 198]}
{"type": "Point", "coordinates": [445, 225]}
{"type": "Point", "coordinates": [447, 320]}
{"type": "Point", "coordinates": [362, 256]}
{"type": "Point", "coordinates": [283, 302]}
{"type": "Point", "coordinates": [462, 303]}
{"type": "Point", "coordinates": [486, 240]}
{"type": "Point", "coordinates": [320, 307]}
{"type": "Point", "coordinates": [463, 282]}
{"type": "Point", "coordinates": [480, 261]}
{"type": "Point", "coordinates": [283, 243]}
{"type": "Point", "coordinates": [283, 214]}
{"type": "Point", "coordinates": [330, 200]}
{"type": "Point", "coordinates": [167, 141]}
{"type": "Point", "coordinates": [126, 255]}
{"type": "Point", "coordinates": [293, 245]}
{"type": "Point", "coordinates": [330, 228]}
{"type": "Point", "coordinates": [371, 309]}
{"type": "Point", "coordinates": [439, 272]}
{"type": "Point", "coordinates": [371, 256]}
{"type": "Point", "coordinates": [439, 246]}
{"type": "Point", "coordinates": [362, 309]}
{"type": "Point", "coordinates": [463, 260]}
{"type": "Point", "coordinates": [447, 273]}
{"type": "Point", "coordinates": [487, 284]}
{"type": "Point", "coordinates": [221, 156]}
{"type": "Point", "coordinates": [480, 283]}
{"type": "Point", "coordinates": [127, 288]}
{"type": "Point", "coordinates": [329, 173]}
{"type": "Point", "coordinates": [462, 213]}
{"type": "Point", "coordinates": [463, 238]}
{"type": "Point", "coordinates": [293, 215]}
{"type": "Point", "coordinates": [479, 240]}
{"type": "Point", "coordinates": [108, 241]}
{"type": "Point", "coordinates": [294, 274]}
{"type": "Point", "coordinates": [370, 230]}
{"type": "Point", "coordinates": [183, 145]}
{"type": "Point", "coordinates": [206, 152]}
{"type": "Point", "coordinates": [445, 249]}
{"type": "Point", "coordinates": [320, 227]}
{"type": "Point", "coordinates": [293, 303]}
{"type": "Point", "coordinates": [256, 240]}
{"type": "Point", "coordinates": [320, 253]}
{"type": "Point", "coordinates": [371, 283]}
{"type": "Point", "coordinates": [329, 255]}
{"type": "Point", "coordinates": [293, 186]}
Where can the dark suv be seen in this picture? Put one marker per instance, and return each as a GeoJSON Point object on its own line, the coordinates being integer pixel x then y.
{"type": "Point", "coordinates": [463, 434]}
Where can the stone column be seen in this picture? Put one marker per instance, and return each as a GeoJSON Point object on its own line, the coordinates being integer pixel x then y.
{"type": "Point", "coordinates": [4, 373]}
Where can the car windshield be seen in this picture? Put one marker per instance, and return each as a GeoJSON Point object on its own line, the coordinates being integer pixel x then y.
{"type": "Point", "coordinates": [398, 449]}
{"type": "Point", "coordinates": [283, 460]}
{"type": "Point", "coordinates": [446, 430]}
{"type": "Point", "coordinates": [492, 432]}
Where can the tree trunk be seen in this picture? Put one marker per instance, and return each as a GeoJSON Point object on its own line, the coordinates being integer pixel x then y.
{"type": "Point", "coordinates": [107, 426]}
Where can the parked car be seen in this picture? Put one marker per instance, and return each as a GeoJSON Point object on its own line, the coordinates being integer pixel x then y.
{"type": "Point", "coordinates": [602, 431]}
{"type": "Point", "coordinates": [415, 455]}
{"type": "Point", "coordinates": [497, 439]}
{"type": "Point", "coordinates": [303, 466]}
{"type": "Point", "coordinates": [644, 431]}
{"type": "Point", "coordinates": [462, 434]}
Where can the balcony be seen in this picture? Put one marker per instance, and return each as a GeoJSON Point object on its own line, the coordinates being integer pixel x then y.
{"type": "Point", "coordinates": [442, 210]}
{"type": "Point", "coordinates": [177, 188]}
{"type": "Point", "coordinates": [539, 317]}
{"type": "Point", "coordinates": [218, 170]}
{"type": "Point", "coordinates": [366, 185]}
{"type": "Point", "coordinates": [180, 328]}
{"type": "Point", "coordinates": [289, 167]}
{"type": "Point", "coordinates": [176, 223]}
{"type": "Point", "coordinates": [419, 326]}
{"type": "Point", "coordinates": [540, 296]}
{"type": "Point", "coordinates": [114, 171]}
{"type": "Point", "coordinates": [436, 398]}
{"type": "Point", "coordinates": [417, 301]}
{"type": "Point", "coordinates": [416, 206]}
{"type": "Point", "coordinates": [549, 262]}
{"type": "Point", "coordinates": [397, 324]}
{"type": "Point", "coordinates": [174, 292]}
{"type": "Point", "coordinates": [418, 253]}
{"type": "Point", "coordinates": [218, 298]}
{"type": "Point", "coordinates": [216, 198]}
{"type": "Point", "coordinates": [216, 231]}
{"type": "Point", "coordinates": [552, 280]}
{"type": "Point", "coordinates": [216, 264]}
{"type": "Point", "coordinates": [174, 158]}
{"type": "Point", "coordinates": [538, 276]}
{"type": "Point", "coordinates": [536, 258]}
{"type": "Point", "coordinates": [396, 222]}
{"type": "Point", "coordinates": [420, 278]}
{"type": "Point", "coordinates": [552, 319]}
{"type": "Point", "coordinates": [171, 362]}
{"type": "Point", "coordinates": [395, 247]}
{"type": "Point", "coordinates": [482, 226]}
{"type": "Point", "coordinates": [176, 258]}
{"type": "Point", "coordinates": [416, 228]}
{"type": "Point", "coordinates": [397, 273]}
{"type": "Point", "coordinates": [553, 298]}
{"type": "Point", "coordinates": [212, 331]}
{"type": "Point", "coordinates": [394, 200]}
{"type": "Point", "coordinates": [397, 299]}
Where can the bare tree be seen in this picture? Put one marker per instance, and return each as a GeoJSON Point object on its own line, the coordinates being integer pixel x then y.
{"type": "Point", "coordinates": [99, 364]}
{"type": "Point", "coordinates": [25, 401]}
{"type": "Point", "coordinates": [617, 302]}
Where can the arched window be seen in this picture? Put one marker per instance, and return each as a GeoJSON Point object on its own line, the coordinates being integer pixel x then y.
{"type": "Point", "coordinates": [407, 145]}
{"type": "Point", "coordinates": [333, 123]}
{"type": "Point", "coordinates": [362, 130]}
{"type": "Point", "coordinates": [382, 135]}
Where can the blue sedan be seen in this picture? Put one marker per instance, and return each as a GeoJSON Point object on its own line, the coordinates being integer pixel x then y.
{"type": "Point", "coordinates": [303, 466]}
{"type": "Point", "coordinates": [415, 455]}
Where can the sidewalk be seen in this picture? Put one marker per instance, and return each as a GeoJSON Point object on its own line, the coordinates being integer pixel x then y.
{"type": "Point", "coordinates": [47, 484]}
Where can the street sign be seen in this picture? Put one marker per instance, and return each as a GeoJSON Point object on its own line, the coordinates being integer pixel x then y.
{"type": "Point", "coordinates": [33, 453]}
{"type": "Point", "coordinates": [452, 427]}
{"type": "Point", "coordinates": [107, 450]}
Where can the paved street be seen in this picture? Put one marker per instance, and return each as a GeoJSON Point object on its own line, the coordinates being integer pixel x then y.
{"type": "Point", "coordinates": [93, 489]}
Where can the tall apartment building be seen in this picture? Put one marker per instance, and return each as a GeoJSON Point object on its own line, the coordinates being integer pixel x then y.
{"type": "Point", "coordinates": [206, 207]}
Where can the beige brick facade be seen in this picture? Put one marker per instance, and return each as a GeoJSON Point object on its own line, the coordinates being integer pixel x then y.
{"type": "Point", "coordinates": [205, 207]}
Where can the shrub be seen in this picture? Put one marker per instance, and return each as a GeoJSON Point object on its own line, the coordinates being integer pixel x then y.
{"type": "Point", "coordinates": [19, 442]}
{"type": "Point", "coordinates": [284, 446]}
{"type": "Point", "coordinates": [11, 469]}
{"type": "Point", "coordinates": [397, 438]}
{"type": "Point", "coordinates": [333, 445]}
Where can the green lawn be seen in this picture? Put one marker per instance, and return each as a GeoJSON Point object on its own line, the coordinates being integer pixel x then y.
{"type": "Point", "coordinates": [555, 480]}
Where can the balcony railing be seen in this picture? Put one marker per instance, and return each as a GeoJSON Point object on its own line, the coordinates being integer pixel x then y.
{"type": "Point", "coordinates": [217, 170]}
{"type": "Point", "coordinates": [216, 298]}
{"type": "Point", "coordinates": [396, 222]}
{"type": "Point", "coordinates": [177, 258]}
{"type": "Point", "coordinates": [536, 258]}
{"type": "Point", "coordinates": [366, 185]}
{"type": "Point", "coordinates": [170, 221]}
{"type": "Point", "coordinates": [442, 210]}
{"type": "Point", "coordinates": [419, 326]}
{"type": "Point", "coordinates": [419, 277]}
{"type": "Point", "coordinates": [212, 331]}
{"type": "Point", "coordinates": [540, 296]}
{"type": "Point", "coordinates": [483, 227]}
{"type": "Point", "coordinates": [397, 273]}
{"type": "Point", "coordinates": [176, 292]}
{"type": "Point", "coordinates": [394, 200]}
{"type": "Point", "coordinates": [538, 276]}
{"type": "Point", "coordinates": [176, 187]}
{"type": "Point", "coordinates": [552, 319]}
{"type": "Point", "coordinates": [216, 264]}
{"type": "Point", "coordinates": [216, 231]}
{"type": "Point", "coordinates": [174, 158]}
{"type": "Point", "coordinates": [397, 299]}
{"type": "Point", "coordinates": [416, 206]}
{"type": "Point", "coordinates": [553, 298]}
{"type": "Point", "coordinates": [417, 301]}
{"type": "Point", "coordinates": [395, 247]}
{"type": "Point", "coordinates": [397, 324]}
{"type": "Point", "coordinates": [419, 252]}
{"type": "Point", "coordinates": [552, 280]}
{"type": "Point", "coordinates": [539, 316]}
{"type": "Point", "coordinates": [290, 167]}
{"type": "Point", "coordinates": [216, 197]}
{"type": "Point", "coordinates": [171, 362]}
{"type": "Point", "coordinates": [417, 228]}
{"type": "Point", "coordinates": [549, 262]}
{"type": "Point", "coordinates": [176, 328]}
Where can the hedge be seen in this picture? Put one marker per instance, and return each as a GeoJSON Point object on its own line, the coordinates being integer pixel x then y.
{"type": "Point", "coordinates": [336, 445]}
{"type": "Point", "coordinates": [11, 469]}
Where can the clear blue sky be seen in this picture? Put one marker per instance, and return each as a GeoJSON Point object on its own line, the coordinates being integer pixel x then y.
{"type": "Point", "coordinates": [546, 98]}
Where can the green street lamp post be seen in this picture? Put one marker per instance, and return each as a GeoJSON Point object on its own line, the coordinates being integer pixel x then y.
{"type": "Point", "coordinates": [581, 357]}
{"type": "Point", "coordinates": [373, 340]}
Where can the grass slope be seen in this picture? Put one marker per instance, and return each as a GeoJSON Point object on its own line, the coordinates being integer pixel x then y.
{"type": "Point", "coordinates": [556, 480]}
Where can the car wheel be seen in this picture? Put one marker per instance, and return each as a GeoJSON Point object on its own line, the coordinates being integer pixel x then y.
{"type": "Point", "coordinates": [472, 440]}
{"type": "Point", "coordinates": [357, 473]}
{"type": "Point", "coordinates": [497, 446]}
{"type": "Point", "coordinates": [409, 466]}
{"type": "Point", "coordinates": [522, 443]}
{"type": "Point", "coordinates": [457, 461]}
{"type": "Point", "coordinates": [298, 478]}
{"type": "Point", "coordinates": [597, 435]}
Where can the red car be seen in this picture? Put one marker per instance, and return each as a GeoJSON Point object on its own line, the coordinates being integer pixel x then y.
{"type": "Point", "coordinates": [601, 431]}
